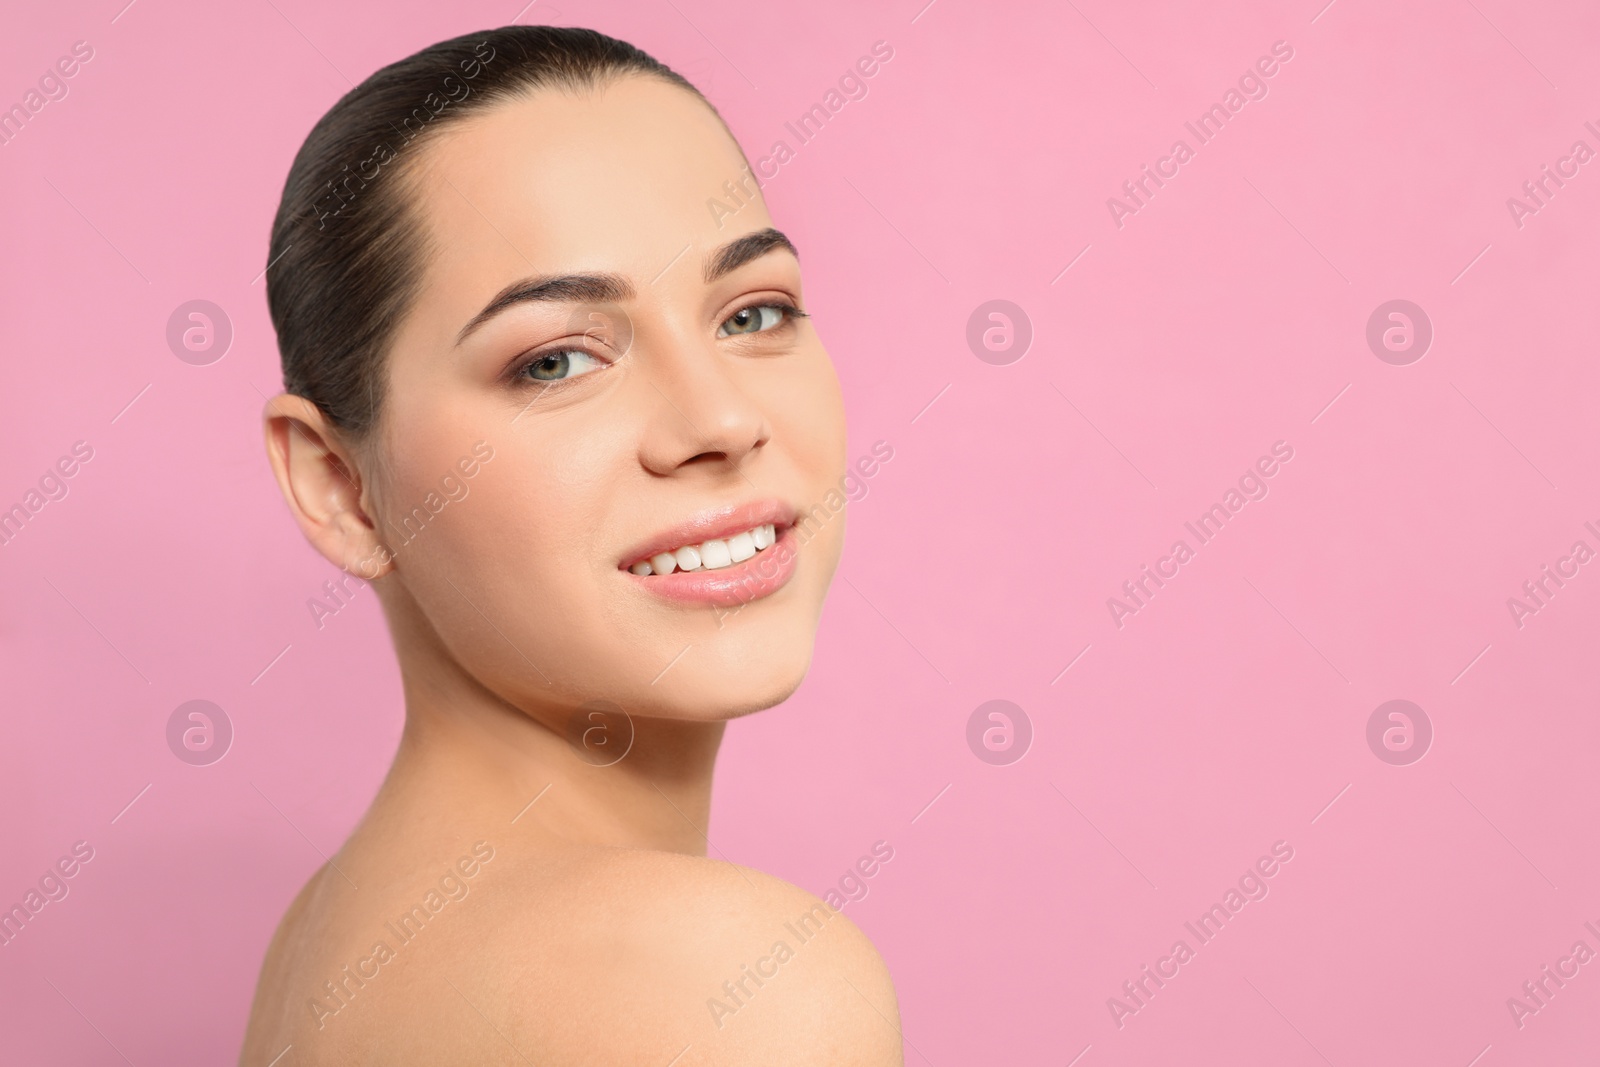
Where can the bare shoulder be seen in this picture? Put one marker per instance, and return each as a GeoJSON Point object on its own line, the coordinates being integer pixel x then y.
{"type": "Point", "coordinates": [271, 1009]}
{"type": "Point", "coordinates": [342, 973]}
{"type": "Point", "coordinates": [649, 955]}
{"type": "Point", "coordinates": [558, 956]}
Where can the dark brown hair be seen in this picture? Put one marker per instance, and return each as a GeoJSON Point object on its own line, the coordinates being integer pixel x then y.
{"type": "Point", "coordinates": [346, 258]}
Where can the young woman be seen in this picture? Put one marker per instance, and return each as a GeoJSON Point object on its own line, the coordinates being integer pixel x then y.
{"type": "Point", "coordinates": [571, 420]}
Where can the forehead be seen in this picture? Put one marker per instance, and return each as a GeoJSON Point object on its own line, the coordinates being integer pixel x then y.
{"type": "Point", "coordinates": [618, 178]}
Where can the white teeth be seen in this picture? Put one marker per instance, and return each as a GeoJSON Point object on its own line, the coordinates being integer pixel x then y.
{"type": "Point", "coordinates": [710, 555]}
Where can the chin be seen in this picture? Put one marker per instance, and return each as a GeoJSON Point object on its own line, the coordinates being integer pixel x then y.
{"type": "Point", "coordinates": [750, 664]}
{"type": "Point", "coordinates": [737, 697]}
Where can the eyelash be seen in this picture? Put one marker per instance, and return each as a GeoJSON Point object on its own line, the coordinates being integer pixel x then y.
{"type": "Point", "coordinates": [791, 314]}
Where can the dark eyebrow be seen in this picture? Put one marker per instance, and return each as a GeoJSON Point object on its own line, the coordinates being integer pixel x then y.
{"type": "Point", "coordinates": [606, 288]}
{"type": "Point", "coordinates": [735, 254]}
{"type": "Point", "coordinates": [570, 288]}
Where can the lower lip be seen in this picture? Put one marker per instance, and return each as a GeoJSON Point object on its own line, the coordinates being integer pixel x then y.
{"type": "Point", "coordinates": [759, 576]}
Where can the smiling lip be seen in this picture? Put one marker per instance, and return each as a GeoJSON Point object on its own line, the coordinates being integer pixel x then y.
{"type": "Point", "coordinates": [761, 575]}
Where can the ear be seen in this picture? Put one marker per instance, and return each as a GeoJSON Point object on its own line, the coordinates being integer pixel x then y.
{"type": "Point", "coordinates": [322, 486]}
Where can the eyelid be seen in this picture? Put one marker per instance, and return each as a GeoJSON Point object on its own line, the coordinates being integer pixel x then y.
{"type": "Point", "coordinates": [792, 313]}
{"type": "Point", "coordinates": [516, 369]}
{"type": "Point", "coordinates": [518, 366]}
{"type": "Point", "coordinates": [777, 295]}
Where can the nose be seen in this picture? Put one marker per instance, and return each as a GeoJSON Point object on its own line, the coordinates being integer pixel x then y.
{"type": "Point", "coordinates": [701, 416]}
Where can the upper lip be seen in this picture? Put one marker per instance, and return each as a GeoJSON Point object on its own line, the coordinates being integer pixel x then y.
{"type": "Point", "coordinates": [710, 524]}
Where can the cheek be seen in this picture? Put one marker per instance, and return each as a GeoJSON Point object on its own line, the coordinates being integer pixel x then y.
{"type": "Point", "coordinates": [808, 410]}
{"type": "Point", "coordinates": [532, 515]}
{"type": "Point", "coordinates": [576, 471]}
{"type": "Point", "coordinates": [808, 418]}
{"type": "Point", "coordinates": [507, 577]}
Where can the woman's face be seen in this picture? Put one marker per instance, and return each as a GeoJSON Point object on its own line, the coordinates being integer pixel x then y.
{"type": "Point", "coordinates": [654, 400]}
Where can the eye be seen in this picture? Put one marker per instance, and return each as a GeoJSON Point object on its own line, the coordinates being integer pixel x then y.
{"type": "Point", "coordinates": [758, 318]}
{"type": "Point", "coordinates": [561, 364]}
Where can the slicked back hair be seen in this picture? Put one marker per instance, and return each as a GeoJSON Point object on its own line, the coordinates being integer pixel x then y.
{"type": "Point", "coordinates": [347, 255]}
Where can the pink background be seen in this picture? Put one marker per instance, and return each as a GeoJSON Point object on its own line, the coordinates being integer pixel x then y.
{"type": "Point", "coordinates": [1224, 316]}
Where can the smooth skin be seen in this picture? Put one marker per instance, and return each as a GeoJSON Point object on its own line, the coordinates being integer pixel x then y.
{"type": "Point", "coordinates": [599, 931]}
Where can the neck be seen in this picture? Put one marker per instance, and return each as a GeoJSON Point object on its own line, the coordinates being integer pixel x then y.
{"type": "Point", "coordinates": [575, 772]}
